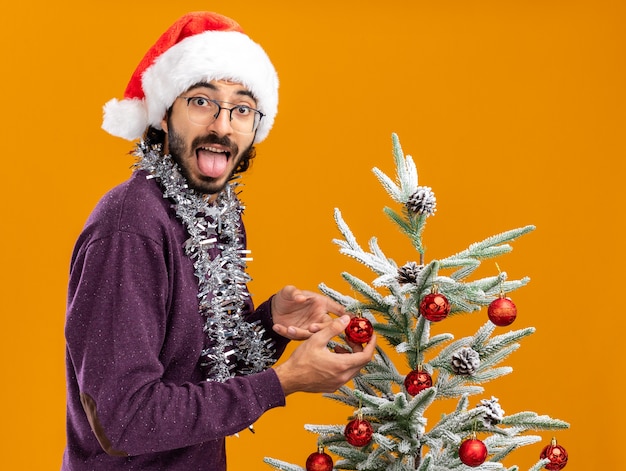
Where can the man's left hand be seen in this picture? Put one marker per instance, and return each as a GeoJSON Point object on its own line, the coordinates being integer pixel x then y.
{"type": "Point", "coordinates": [298, 314]}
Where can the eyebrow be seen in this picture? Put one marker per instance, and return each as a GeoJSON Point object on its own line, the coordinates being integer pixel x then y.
{"type": "Point", "coordinates": [244, 92]}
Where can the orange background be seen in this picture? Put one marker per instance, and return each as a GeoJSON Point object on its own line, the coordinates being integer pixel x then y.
{"type": "Point", "coordinates": [513, 111]}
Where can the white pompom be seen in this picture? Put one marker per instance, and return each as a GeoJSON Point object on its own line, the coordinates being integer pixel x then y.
{"type": "Point", "coordinates": [127, 118]}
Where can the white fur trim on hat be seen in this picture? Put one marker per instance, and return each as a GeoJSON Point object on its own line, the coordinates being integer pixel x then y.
{"type": "Point", "coordinates": [211, 55]}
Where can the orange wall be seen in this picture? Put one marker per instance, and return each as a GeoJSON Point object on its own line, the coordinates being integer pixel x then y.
{"type": "Point", "coordinates": [514, 112]}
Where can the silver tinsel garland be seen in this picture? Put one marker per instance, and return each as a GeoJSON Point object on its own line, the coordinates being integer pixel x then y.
{"type": "Point", "coordinates": [235, 346]}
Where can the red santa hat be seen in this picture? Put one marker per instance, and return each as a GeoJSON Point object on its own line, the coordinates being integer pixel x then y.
{"type": "Point", "coordinates": [198, 47]}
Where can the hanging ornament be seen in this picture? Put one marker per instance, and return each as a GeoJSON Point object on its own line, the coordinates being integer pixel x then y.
{"type": "Point", "coordinates": [502, 311]}
{"type": "Point", "coordinates": [359, 329]}
{"type": "Point", "coordinates": [556, 454]}
{"type": "Point", "coordinates": [358, 432]}
{"type": "Point", "coordinates": [473, 452]}
{"type": "Point", "coordinates": [417, 380]}
{"type": "Point", "coordinates": [435, 306]}
{"type": "Point", "coordinates": [319, 461]}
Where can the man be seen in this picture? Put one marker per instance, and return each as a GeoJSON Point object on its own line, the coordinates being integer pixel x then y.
{"type": "Point", "coordinates": [166, 355]}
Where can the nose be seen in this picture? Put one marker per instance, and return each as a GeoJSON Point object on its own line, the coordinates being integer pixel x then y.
{"type": "Point", "coordinates": [221, 125]}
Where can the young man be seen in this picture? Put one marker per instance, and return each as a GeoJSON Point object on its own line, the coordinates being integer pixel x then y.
{"type": "Point", "coordinates": [166, 355]}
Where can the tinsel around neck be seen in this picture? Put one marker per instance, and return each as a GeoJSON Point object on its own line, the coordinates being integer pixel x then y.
{"type": "Point", "coordinates": [215, 246]}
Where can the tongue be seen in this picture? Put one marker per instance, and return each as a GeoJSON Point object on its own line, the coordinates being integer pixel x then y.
{"type": "Point", "coordinates": [212, 164]}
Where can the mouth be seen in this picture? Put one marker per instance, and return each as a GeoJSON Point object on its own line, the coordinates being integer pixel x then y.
{"type": "Point", "coordinates": [214, 150]}
{"type": "Point", "coordinates": [213, 160]}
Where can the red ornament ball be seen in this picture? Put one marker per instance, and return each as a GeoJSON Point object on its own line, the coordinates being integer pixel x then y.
{"type": "Point", "coordinates": [319, 461]}
{"type": "Point", "coordinates": [502, 312]}
{"type": "Point", "coordinates": [557, 456]}
{"type": "Point", "coordinates": [359, 330]}
{"type": "Point", "coordinates": [358, 432]}
{"type": "Point", "coordinates": [473, 452]}
{"type": "Point", "coordinates": [435, 307]}
{"type": "Point", "coordinates": [416, 381]}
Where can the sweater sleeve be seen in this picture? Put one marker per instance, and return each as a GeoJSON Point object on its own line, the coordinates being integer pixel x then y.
{"type": "Point", "coordinates": [117, 325]}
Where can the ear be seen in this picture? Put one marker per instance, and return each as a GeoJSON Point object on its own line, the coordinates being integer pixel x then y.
{"type": "Point", "coordinates": [164, 123]}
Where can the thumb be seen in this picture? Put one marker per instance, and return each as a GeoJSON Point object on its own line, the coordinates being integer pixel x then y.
{"type": "Point", "coordinates": [337, 326]}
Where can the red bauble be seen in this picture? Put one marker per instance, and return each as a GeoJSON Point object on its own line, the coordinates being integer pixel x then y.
{"type": "Point", "coordinates": [502, 311]}
{"type": "Point", "coordinates": [435, 307]}
{"type": "Point", "coordinates": [319, 461]}
{"type": "Point", "coordinates": [473, 452]}
{"type": "Point", "coordinates": [557, 456]}
{"type": "Point", "coordinates": [416, 381]}
{"type": "Point", "coordinates": [359, 330]}
{"type": "Point", "coordinates": [358, 432]}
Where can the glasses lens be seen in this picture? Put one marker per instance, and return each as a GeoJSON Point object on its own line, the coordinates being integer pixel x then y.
{"type": "Point", "coordinates": [243, 118]}
{"type": "Point", "coordinates": [203, 112]}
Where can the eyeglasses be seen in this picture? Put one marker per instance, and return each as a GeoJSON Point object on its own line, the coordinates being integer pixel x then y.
{"type": "Point", "coordinates": [204, 111]}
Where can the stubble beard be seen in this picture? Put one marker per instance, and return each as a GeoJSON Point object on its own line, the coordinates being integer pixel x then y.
{"type": "Point", "coordinates": [202, 183]}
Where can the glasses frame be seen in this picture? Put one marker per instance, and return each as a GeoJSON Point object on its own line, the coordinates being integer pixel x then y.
{"type": "Point", "coordinates": [255, 124]}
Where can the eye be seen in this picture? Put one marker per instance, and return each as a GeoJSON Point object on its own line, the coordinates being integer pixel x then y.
{"type": "Point", "coordinates": [242, 111]}
{"type": "Point", "coordinates": [201, 102]}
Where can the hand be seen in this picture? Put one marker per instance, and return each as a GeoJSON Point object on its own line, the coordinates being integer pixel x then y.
{"type": "Point", "coordinates": [298, 314]}
{"type": "Point", "coordinates": [312, 367]}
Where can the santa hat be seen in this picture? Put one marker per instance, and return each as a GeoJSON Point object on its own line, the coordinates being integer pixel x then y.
{"type": "Point", "coordinates": [198, 47]}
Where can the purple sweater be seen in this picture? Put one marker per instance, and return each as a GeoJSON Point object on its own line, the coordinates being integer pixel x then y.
{"type": "Point", "coordinates": [136, 398]}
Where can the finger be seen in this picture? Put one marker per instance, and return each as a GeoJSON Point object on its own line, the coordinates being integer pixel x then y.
{"type": "Point", "coordinates": [369, 348]}
{"type": "Point", "coordinates": [356, 347]}
{"type": "Point", "coordinates": [317, 326]}
{"type": "Point", "coordinates": [333, 329]}
{"type": "Point", "coordinates": [363, 354]}
{"type": "Point", "coordinates": [290, 292]}
{"type": "Point", "coordinates": [291, 332]}
{"type": "Point", "coordinates": [335, 307]}
{"type": "Point", "coordinates": [327, 303]}
{"type": "Point", "coordinates": [340, 349]}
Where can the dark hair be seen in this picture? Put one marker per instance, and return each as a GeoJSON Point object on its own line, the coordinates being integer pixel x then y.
{"type": "Point", "coordinates": [154, 136]}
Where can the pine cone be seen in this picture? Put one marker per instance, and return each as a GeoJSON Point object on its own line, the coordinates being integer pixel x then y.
{"type": "Point", "coordinates": [466, 361]}
{"type": "Point", "coordinates": [408, 273]}
{"type": "Point", "coordinates": [493, 413]}
{"type": "Point", "coordinates": [423, 201]}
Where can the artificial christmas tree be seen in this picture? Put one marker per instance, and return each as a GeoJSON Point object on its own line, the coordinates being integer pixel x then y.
{"type": "Point", "coordinates": [388, 429]}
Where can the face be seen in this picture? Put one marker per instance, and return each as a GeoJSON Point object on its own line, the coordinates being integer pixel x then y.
{"type": "Point", "coordinates": [208, 155]}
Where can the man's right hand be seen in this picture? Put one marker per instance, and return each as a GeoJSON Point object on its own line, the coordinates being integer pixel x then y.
{"type": "Point", "coordinates": [312, 367]}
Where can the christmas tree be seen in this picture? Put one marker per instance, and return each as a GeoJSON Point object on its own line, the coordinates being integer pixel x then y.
{"type": "Point", "coordinates": [388, 429]}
